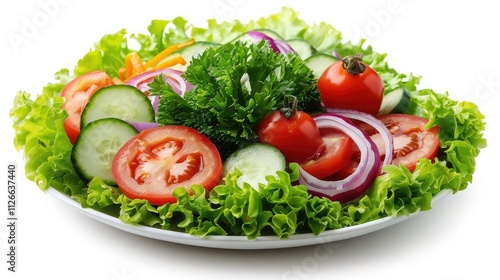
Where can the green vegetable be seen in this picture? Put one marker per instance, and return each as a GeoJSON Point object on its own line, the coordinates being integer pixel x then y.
{"type": "Point", "coordinates": [236, 85]}
{"type": "Point", "coordinates": [255, 162]}
{"type": "Point", "coordinates": [278, 208]}
{"type": "Point", "coordinates": [396, 101]}
{"type": "Point", "coordinates": [96, 146]}
{"type": "Point", "coordinates": [118, 101]}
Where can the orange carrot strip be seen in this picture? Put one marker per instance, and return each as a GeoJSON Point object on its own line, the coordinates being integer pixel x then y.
{"type": "Point", "coordinates": [121, 73]}
{"type": "Point", "coordinates": [117, 81]}
{"type": "Point", "coordinates": [159, 57]}
{"type": "Point", "coordinates": [178, 59]}
{"type": "Point", "coordinates": [133, 64]}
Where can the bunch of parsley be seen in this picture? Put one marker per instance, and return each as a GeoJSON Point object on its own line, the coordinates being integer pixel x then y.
{"type": "Point", "coordinates": [235, 86]}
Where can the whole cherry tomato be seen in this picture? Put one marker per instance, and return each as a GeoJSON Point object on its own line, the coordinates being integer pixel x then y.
{"type": "Point", "coordinates": [293, 132]}
{"type": "Point", "coordinates": [351, 84]}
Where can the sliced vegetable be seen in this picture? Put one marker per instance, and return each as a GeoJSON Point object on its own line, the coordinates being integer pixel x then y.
{"type": "Point", "coordinates": [360, 180]}
{"type": "Point", "coordinates": [275, 41]}
{"type": "Point", "coordinates": [302, 48]}
{"type": "Point", "coordinates": [156, 161]}
{"type": "Point", "coordinates": [319, 62]}
{"type": "Point", "coordinates": [118, 101]}
{"type": "Point", "coordinates": [96, 146]}
{"type": "Point", "coordinates": [351, 84]}
{"type": "Point", "coordinates": [396, 101]}
{"type": "Point", "coordinates": [166, 52]}
{"type": "Point", "coordinates": [386, 136]}
{"type": "Point", "coordinates": [412, 142]}
{"type": "Point", "coordinates": [76, 94]}
{"type": "Point", "coordinates": [255, 162]}
{"type": "Point", "coordinates": [172, 77]}
{"type": "Point", "coordinates": [336, 155]}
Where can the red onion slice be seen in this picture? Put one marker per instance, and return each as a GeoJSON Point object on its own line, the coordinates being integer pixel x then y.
{"type": "Point", "coordinates": [372, 121]}
{"type": "Point", "coordinates": [259, 36]}
{"type": "Point", "coordinates": [284, 47]}
{"type": "Point", "coordinates": [361, 179]}
{"type": "Point", "coordinates": [173, 78]}
{"type": "Point", "coordinates": [278, 46]}
{"type": "Point", "coordinates": [141, 126]}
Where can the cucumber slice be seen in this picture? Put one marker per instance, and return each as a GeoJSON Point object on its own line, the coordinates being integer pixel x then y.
{"type": "Point", "coordinates": [245, 38]}
{"type": "Point", "coordinates": [302, 48]}
{"type": "Point", "coordinates": [396, 101]}
{"type": "Point", "coordinates": [191, 51]}
{"type": "Point", "coordinates": [196, 49]}
{"type": "Point", "coordinates": [118, 101]}
{"type": "Point", "coordinates": [96, 146]}
{"type": "Point", "coordinates": [255, 162]}
{"type": "Point", "coordinates": [319, 62]}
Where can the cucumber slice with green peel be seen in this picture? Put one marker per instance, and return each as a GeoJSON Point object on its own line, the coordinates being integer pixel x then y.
{"type": "Point", "coordinates": [190, 52]}
{"type": "Point", "coordinates": [196, 49]}
{"type": "Point", "coordinates": [246, 38]}
{"type": "Point", "coordinates": [302, 48]}
{"type": "Point", "coordinates": [255, 162]}
{"type": "Point", "coordinates": [118, 101]}
{"type": "Point", "coordinates": [96, 146]}
{"type": "Point", "coordinates": [318, 63]}
{"type": "Point", "coordinates": [396, 101]}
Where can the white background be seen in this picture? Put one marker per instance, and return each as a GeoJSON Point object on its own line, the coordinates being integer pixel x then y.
{"type": "Point", "coordinates": [452, 45]}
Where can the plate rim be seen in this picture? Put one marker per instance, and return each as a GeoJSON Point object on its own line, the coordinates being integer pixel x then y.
{"type": "Point", "coordinates": [240, 242]}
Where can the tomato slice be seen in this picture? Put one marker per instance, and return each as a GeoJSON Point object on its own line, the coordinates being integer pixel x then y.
{"type": "Point", "coordinates": [157, 161]}
{"type": "Point", "coordinates": [77, 93]}
{"type": "Point", "coordinates": [337, 154]}
{"type": "Point", "coordinates": [412, 141]}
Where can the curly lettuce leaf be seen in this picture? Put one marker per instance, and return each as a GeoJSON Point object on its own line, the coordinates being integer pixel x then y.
{"type": "Point", "coordinates": [40, 135]}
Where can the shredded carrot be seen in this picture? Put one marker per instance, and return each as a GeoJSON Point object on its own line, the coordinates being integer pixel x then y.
{"type": "Point", "coordinates": [117, 81]}
{"type": "Point", "coordinates": [178, 59]}
{"type": "Point", "coordinates": [133, 64]}
{"type": "Point", "coordinates": [159, 57]}
{"type": "Point", "coordinates": [121, 73]}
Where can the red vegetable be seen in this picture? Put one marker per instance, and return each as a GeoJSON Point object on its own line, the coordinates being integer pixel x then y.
{"type": "Point", "coordinates": [173, 78]}
{"type": "Point", "coordinates": [412, 141]}
{"type": "Point", "coordinates": [293, 132]}
{"type": "Point", "coordinates": [351, 84]}
{"type": "Point", "coordinates": [156, 161]}
{"type": "Point", "coordinates": [278, 46]}
{"type": "Point", "coordinates": [361, 179]}
{"type": "Point", "coordinates": [77, 94]}
{"type": "Point", "coordinates": [375, 124]}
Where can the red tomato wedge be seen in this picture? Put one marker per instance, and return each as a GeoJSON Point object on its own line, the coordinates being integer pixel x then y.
{"type": "Point", "coordinates": [411, 141]}
{"type": "Point", "coordinates": [77, 93]}
{"type": "Point", "coordinates": [157, 161]}
{"type": "Point", "coordinates": [336, 155]}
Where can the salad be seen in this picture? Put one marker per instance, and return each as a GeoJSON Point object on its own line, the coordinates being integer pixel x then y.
{"type": "Point", "coordinates": [191, 130]}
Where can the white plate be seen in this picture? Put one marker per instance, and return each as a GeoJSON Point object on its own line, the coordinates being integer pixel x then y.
{"type": "Point", "coordinates": [239, 242]}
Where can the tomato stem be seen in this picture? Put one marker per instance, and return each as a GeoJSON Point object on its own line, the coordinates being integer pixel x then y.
{"type": "Point", "coordinates": [353, 65]}
{"type": "Point", "coordinates": [289, 106]}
